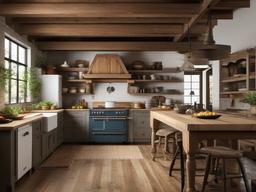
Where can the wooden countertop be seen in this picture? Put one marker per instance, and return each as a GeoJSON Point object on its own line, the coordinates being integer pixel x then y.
{"type": "Point", "coordinates": [188, 123]}
{"type": "Point", "coordinates": [19, 123]}
{"type": "Point", "coordinates": [48, 111]}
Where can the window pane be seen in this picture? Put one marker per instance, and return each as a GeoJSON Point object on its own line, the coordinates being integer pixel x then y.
{"type": "Point", "coordinates": [187, 78]}
{"type": "Point", "coordinates": [14, 51]}
{"type": "Point", "coordinates": [197, 92]}
{"type": "Point", "coordinates": [22, 88]}
{"type": "Point", "coordinates": [14, 69]}
{"type": "Point", "coordinates": [195, 85]}
{"type": "Point", "coordinates": [195, 99]}
{"type": "Point", "coordinates": [13, 91]}
{"type": "Point", "coordinates": [195, 78]}
{"type": "Point", "coordinates": [187, 100]}
{"type": "Point", "coordinates": [187, 92]}
{"type": "Point", "coordinates": [6, 48]}
{"type": "Point", "coordinates": [22, 55]}
{"type": "Point", "coordinates": [22, 70]}
{"type": "Point", "coordinates": [187, 86]}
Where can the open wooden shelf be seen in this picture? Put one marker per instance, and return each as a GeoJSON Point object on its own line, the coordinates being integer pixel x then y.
{"type": "Point", "coordinates": [178, 93]}
{"type": "Point", "coordinates": [73, 69]}
{"type": "Point", "coordinates": [233, 92]}
{"type": "Point", "coordinates": [166, 70]}
{"type": "Point", "coordinates": [234, 79]}
{"type": "Point", "coordinates": [77, 93]}
{"type": "Point", "coordinates": [156, 81]}
{"type": "Point", "coordinates": [79, 81]}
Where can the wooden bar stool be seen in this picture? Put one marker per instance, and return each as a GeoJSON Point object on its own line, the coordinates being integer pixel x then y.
{"type": "Point", "coordinates": [167, 136]}
{"type": "Point", "coordinates": [223, 153]}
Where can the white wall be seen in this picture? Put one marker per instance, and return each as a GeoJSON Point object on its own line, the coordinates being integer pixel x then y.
{"type": "Point", "coordinates": [169, 59]}
{"type": "Point", "coordinates": [240, 33]}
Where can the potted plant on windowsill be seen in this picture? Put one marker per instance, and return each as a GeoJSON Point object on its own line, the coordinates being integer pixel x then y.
{"type": "Point", "coordinates": [250, 98]}
{"type": "Point", "coordinates": [5, 75]}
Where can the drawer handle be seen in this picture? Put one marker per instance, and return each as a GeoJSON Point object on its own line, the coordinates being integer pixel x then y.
{"type": "Point", "coordinates": [25, 134]}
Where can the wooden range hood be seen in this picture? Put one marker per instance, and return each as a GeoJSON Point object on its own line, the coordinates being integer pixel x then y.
{"type": "Point", "coordinates": [107, 66]}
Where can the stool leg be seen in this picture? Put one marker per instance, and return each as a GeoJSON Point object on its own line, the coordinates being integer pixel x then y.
{"type": "Point", "coordinates": [166, 149]}
{"type": "Point", "coordinates": [207, 171]}
{"type": "Point", "coordinates": [182, 171]}
{"type": "Point", "coordinates": [225, 175]}
{"type": "Point", "coordinates": [173, 161]}
{"type": "Point", "coordinates": [216, 170]}
{"type": "Point", "coordinates": [243, 175]}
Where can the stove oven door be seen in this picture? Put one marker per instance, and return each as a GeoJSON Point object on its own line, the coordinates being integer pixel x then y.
{"type": "Point", "coordinates": [109, 130]}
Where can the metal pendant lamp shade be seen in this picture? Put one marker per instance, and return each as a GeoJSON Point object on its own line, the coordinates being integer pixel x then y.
{"type": "Point", "coordinates": [212, 51]}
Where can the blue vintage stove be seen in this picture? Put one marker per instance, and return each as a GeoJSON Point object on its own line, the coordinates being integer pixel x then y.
{"type": "Point", "coordinates": [109, 125]}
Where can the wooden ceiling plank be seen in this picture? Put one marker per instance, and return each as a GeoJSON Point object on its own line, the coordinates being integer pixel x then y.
{"type": "Point", "coordinates": [232, 4]}
{"type": "Point", "coordinates": [100, 1]}
{"type": "Point", "coordinates": [106, 30]}
{"type": "Point", "coordinates": [99, 20]}
{"type": "Point", "coordinates": [97, 10]}
{"type": "Point", "coordinates": [115, 46]}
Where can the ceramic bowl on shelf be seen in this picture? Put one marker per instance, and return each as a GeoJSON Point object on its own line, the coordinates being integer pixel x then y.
{"type": "Point", "coordinates": [73, 90]}
{"type": "Point", "coordinates": [82, 90]}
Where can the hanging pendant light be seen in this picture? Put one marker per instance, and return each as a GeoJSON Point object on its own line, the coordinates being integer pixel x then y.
{"type": "Point", "coordinates": [211, 50]}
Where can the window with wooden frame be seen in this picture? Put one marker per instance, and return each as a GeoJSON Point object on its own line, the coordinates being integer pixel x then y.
{"type": "Point", "coordinates": [192, 87]}
{"type": "Point", "coordinates": [16, 60]}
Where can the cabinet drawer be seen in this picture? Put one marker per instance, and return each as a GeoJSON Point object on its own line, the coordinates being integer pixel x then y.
{"type": "Point", "coordinates": [24, 152]}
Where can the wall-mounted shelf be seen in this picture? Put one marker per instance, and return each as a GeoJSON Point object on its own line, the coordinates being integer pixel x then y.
{"type": "Point", "coordinates": [79, 81]}
{"type": "Point", "coordinates": [156, 81]}
{"type": "Point", "coordinates": [69, 94]}
{"type": "Point", "coordinates": [165, 70]}
{"type": "Point", "coordinates": [163, 93]}
{"type": "Point", "coordinates": [233, 92]}
{"type": "Point", "coordinates": [72, 69]}
{"type": "Point", "coordinates": [238, 71]}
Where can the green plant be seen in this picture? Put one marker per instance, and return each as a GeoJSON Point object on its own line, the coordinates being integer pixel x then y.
{"type": "Point", "coordinates": [33, 83]}
{"type": "Point", "coordinates": [250, 98]}
{"type": "Point", "coordinates": [11, 112]}
{"type": "Point", "coordinates": [41, 104]}
{"type": "Point", "coordinates": [5, 75]}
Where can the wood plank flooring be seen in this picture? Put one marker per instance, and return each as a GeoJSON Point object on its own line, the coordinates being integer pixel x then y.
{"type": "Point", "coordinates": [111, 175]}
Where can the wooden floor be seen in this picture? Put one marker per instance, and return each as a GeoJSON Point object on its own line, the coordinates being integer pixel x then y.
{"type": "Point", "coordinates": [107, 175]}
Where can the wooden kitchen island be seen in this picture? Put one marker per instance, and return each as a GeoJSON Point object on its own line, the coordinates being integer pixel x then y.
{"type": "Point", "coordinates": [194, 130]}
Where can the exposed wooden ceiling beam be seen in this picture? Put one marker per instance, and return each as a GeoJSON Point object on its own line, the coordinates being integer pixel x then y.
{"type": "Point", "coordinates": [101, 1]}
{"type": "Point", "coordinates": [105, 30]}
{"type": "Point", "coordinates": [96, 10]}
{"type": "Point", "coordinates": [101, 20]}
{"type": "Point", "coordinates": [232, 4]}
{"type": "Point", "coordinates": [116, 46]}
{"type": "Point", "coordinates": [205, 6]}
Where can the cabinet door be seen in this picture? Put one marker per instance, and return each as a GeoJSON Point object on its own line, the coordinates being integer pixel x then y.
{"type": "Point", "coordinates": [45, 145]}
{"type": "Point", "coordinates": [60, 131]}
{"type": "Point", "coordinates": [76, 126]}
{"type": "Point", "coordinates": [141, 126]}
{"type": "Point", "coordinates": [37, 143]}
{"type": "Point", "coordinates": [24, 150]}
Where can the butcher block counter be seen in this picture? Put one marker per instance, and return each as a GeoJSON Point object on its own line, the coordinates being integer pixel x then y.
{"type": "Point", "coordinates": [29, 118]}
{"type": "Point", "coordinates": [195, 130]}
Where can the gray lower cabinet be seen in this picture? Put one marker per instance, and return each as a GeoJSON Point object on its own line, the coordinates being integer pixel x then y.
{"type": "Point", "coordinates": [76, 126]}
{"type": "Point", "coordinates": [49, 143]}
{"type": "Point", "coordinates": [60, 130]}
{"type": "Point", "coordinates": [37, 143]}
{"type": "Point", "coordinates": [139, 126]}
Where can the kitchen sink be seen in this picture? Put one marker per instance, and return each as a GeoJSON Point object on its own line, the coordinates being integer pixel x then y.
{"type": "Point", "coordinates": [50, 121]}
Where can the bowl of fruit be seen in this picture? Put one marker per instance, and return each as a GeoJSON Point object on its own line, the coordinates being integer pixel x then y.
{"type": "Point", "coordinates": [207, 115]}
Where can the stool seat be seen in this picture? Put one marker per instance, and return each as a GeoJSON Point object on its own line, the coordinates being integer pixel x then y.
{"type": "Point", "coordinates": [221, 152]}
{"type": "Point", "coordinates": [165, 132]}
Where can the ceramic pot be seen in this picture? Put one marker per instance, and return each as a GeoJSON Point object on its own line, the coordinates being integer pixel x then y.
{"type": "Point", "coordinates": [253, 109]}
